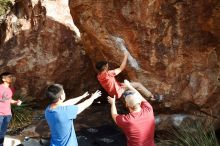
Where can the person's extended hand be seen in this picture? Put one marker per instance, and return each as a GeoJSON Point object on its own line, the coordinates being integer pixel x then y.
{"type": "Point", "coordinates": [96, 94]}
{"type": "Point", "coordinates": [127, 83]}
{"type": "Point", "coordinates": [18, 102]}
{"type": "Point", "coordinates": [126, 53]}
{"type": "Point", "coordinates": [85, 94]}
{"type": "Point", "coordinates": [111, 100]}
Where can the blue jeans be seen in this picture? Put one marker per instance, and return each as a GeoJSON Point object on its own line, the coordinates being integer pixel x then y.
{"type": "Point", "coordinates": [4, 121]}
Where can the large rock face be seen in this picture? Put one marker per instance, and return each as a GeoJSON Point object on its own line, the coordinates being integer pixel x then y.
{"type": "Point", "coordinates": [40, 46]}
{"type": "Point", "coordinates": [174, 46]}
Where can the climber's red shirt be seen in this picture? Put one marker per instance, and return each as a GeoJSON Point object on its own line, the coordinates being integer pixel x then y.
{"type": "Point", "coordinates": [110, 84]}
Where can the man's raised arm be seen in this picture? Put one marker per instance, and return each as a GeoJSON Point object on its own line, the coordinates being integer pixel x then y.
{"type": "Point", "coordinates": [114, 112]}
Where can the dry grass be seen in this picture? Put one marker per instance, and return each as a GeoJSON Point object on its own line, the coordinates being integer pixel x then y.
{"type": "Point", "coordinates": [4, 6]}
{"type": "Point", "coordinates": [195, 133]}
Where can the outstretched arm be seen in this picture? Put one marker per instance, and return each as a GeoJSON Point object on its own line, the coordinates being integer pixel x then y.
{"type": "Point", "coordinates": [114, 112]}
{"type": "Point", "coordinates": [75, 100]}
{"type": "Point", "coordinates": [123, 64]}
{"type": "Point", "coordinates": [82, 106]}
{"type": "Point", "coordinates": [17, 102]}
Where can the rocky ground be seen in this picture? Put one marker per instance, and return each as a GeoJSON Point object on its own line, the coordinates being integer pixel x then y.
{"type": "Point", "coordinates": [96, 118]}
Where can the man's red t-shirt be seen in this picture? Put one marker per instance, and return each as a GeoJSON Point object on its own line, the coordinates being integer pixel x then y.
{"type": "Point", "coordinates": [110, 84]}
{"type": "Point", "coordinates": [6, 94]}
{"type": "Point", "coordinates": [138, 127]}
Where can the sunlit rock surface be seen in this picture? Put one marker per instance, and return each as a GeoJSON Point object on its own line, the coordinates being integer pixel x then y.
{"type": "Point", "coordinates": [40, 45]}
{"type": "Point", "coordinates": [174, 47]}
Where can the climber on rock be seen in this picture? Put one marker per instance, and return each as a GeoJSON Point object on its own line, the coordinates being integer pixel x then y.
{"type": "Point", "coordinates": [107, 80]}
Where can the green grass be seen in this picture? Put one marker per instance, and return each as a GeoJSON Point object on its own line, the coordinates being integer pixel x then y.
{"type": "Point", "coordinates": [4, 6]}
{"type": "Point", "coordinates": [191, 134]}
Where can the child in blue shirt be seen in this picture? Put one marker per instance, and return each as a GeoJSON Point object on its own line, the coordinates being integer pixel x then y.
{"type": "Point", "coordinates": [60, 114]}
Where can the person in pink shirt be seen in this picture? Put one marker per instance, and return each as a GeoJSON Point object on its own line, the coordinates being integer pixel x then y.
{"type": "Point", "coordinates": [139, 124]}
{"type": "Point", "coordinates": [6, 93]}
{"type": "Point", "coordinates": [107, 80]}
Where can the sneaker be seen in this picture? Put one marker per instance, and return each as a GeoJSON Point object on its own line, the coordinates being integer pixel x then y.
{"type": "Point", "coordinates": [157, 98]}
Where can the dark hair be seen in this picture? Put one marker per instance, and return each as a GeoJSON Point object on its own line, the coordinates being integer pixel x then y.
{"type": "Point", "coordinates": [128, 92]}
{"type": "Point", "coordinates": [54, 92]}
{"type": "Point", "coordinates": [99, 65]}
{"type": "Point", "coordinates": [5, 74]}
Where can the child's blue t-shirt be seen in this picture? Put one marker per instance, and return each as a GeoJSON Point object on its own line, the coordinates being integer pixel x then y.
{"type": "Point", "coordinates": [60, 121]}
